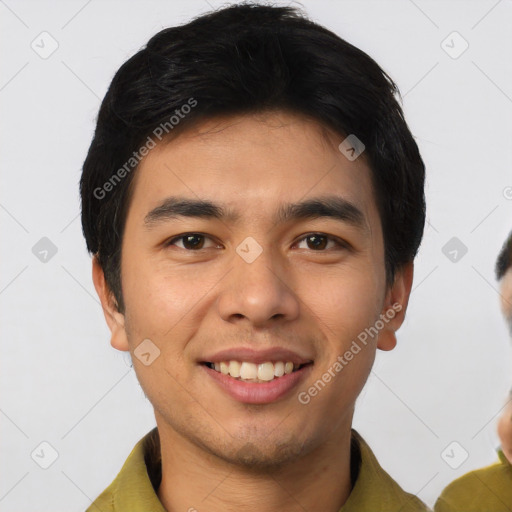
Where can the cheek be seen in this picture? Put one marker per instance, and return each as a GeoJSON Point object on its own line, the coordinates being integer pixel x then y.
{"type": "Point", "coordinates": [161, 300]}
{"type": "Point", "coordinates": [346, 300]}
{"type": "Point", "coordinates": [505, 430]}
{"type": "Point", "coordinates": [344, 305]}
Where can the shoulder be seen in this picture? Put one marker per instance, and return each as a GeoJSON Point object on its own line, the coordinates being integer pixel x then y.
{"type": "Point", "coordinates": [488, 488]}
{"type": "Point", "coordinates": [104, 502]}
{"type": "Point", "coordinates": [134, 487]}
{"type": "Point", "coordinates": [375, 489]}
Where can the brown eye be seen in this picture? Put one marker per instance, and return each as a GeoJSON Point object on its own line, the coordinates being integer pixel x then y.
{"type": "Point", "coordinates": [319, 241]}
{"type": "Point", "coordinates": [316, 242]}
{"type": "Point", "coordinates": [193, 241]}
{"type": "Point", "coordinates": [189, 241]}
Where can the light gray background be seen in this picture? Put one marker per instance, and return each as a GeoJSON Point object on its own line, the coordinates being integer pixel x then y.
{"type": "Point", "coordinates": [62, 382]}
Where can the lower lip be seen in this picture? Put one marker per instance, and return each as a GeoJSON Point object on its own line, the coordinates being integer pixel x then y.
{"type": "Point", "coordinates": [259, 393]}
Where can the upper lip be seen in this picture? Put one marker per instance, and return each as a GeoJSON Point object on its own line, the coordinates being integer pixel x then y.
{"type": "Point", "coordinates": [256, 356]}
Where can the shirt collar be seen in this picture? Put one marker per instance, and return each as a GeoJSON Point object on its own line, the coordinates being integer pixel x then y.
{"type": "Point", "coordinates": [135, 486]}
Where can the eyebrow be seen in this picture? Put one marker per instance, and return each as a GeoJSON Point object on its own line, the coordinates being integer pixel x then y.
{"type": "Point", "coordinates": [334, 207]}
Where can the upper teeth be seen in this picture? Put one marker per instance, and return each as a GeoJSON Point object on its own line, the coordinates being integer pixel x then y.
{"type": "Point", "coordinates": [264, 371]}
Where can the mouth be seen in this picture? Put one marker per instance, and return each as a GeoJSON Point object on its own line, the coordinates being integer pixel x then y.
{"type": "Point", "coordinates": [257, 383]}
{"type": "Point", "coordinates": [246, 371]}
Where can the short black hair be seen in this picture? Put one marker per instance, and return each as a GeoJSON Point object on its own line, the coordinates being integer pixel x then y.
{"type": "Point", "coordinates": [504, 261]}
{"type": "Point", "coordinates": [243, 59]}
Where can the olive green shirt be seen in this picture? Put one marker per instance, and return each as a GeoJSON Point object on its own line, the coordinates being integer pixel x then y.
{"type": "Point", "coordinates": [133, 490]}
{"type": "Point", "coordinates": [487, 489]}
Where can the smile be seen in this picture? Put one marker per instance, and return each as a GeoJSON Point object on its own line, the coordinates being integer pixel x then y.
{"type": "Point", "coordinates": [253, 383]}
{"type": "Point", "coordinates": [256, 373]}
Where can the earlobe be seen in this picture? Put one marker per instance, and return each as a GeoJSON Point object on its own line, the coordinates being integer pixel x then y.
{"type": "Point", "coordinates": [115, 320]}
{"type": "Point", "coordinates": [395, 305]}
{"type": "Point", "coordinates": [387, 340]}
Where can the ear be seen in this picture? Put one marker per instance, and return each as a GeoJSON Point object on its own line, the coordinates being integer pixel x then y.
{"type": "Point", "coordinates": [395, 305]}
{"type": "Point", "coordinates": [115, 319]}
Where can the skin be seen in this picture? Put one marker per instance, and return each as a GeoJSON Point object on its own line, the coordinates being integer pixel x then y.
{"type": "Point", "coordinates": [505, 420]}
{"type": "Point", "coordinates": [217, 453]}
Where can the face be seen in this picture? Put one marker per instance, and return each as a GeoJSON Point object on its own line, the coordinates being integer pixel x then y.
{"type": "Point", "coordinates": [506, 297]}
{"type": "Point", "coordinates": [253, 280]}
{"type": "Point", "coordinates": [505, 429]}
{"type": "Point", "coordinates": [505, 421]}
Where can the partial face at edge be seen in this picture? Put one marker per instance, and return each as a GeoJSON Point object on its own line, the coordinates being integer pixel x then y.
{"type": "Point", "coordinates": [505, 421]}
{"type": "Point", "coordinates": [506, 298]}
{"type": "Point", "coordinates": [313, 295]}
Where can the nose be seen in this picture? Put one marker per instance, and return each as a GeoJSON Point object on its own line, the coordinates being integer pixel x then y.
{"type": "Point", "coordinates": [260, 292]}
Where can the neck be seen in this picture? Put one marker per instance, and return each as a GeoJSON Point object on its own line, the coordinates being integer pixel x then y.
{"type": "Point", "coordinates": [193, 479]}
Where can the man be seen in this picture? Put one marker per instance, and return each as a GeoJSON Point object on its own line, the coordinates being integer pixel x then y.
{"type": "Point", "coordinates": [489, 489]}
{"type": "Point", "coordinates": [254, 200]}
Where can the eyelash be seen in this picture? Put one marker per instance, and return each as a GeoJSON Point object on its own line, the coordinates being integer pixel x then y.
{"type": "Point", "coordinates": [338, 241]}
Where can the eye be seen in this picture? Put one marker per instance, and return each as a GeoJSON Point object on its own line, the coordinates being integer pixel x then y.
{"type": "Point", "coordinates": [319, 241]}
{"type": "Point", "coordinates": [191, 241]}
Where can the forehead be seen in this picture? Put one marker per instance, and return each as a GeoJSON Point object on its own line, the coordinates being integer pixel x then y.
{"type": "Point", "coordinates": [252, 163]}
